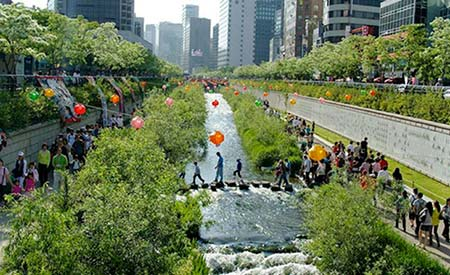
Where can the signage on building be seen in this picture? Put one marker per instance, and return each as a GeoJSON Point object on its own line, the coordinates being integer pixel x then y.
{"type": "Point", "coordinates": [196, 53]}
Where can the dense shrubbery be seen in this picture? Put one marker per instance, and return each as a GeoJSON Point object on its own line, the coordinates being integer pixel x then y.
{"type": "Point", "coordinates": [263, 137]}
{"type": "Point", "coordinates": [428, 106]}
{"type": "Point", "coordinates": [348, 236]}
{"type": "Point", "coordinates": [120, 214]}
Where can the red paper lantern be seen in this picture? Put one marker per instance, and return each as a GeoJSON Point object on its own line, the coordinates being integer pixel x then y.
{"type": "Point", "coordinates": [79, 109]}
{"type": "Point", "coordinates": [373, 93]}
{"type": "Point", "coordinates": [115, 99]}
{"type": "Point", "coordinates": [217, 138]}
{"type": "Point", "coordinates": [215, 103]}
{"type": "Point", "coordinates": [245, 88]}
{"type": "Point", "coordinates": [236, 93]}
{"type": "Point", "coordinates": [266, 94]}
{"type": "Point", "coordinates": [137, 123]}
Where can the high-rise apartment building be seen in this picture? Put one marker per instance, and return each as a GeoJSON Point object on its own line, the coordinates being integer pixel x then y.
{"type": "Point", "coordinates": [342, 18]}
{"type": "Point", "coordinates": [138, 26]}
{"type": "Point", "coordinates": [264, 24]}
{"type": "Point", "coordinates": [236, 32]}
{"type": "Point", "coordinates": [196, 53]}
{"type": "Point", "coordinates": [150, 35]}
{"type": "Point", "coordinates": [188, 12]}
{"type": "Point", "coordinates": [120, 12]}
{"type": "Point", "coordinates": [169, 41]}
{"type": "Point", "coordinates": [213, 54]}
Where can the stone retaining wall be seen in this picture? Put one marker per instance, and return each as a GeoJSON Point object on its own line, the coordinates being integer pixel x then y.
{"type": "Point", "coordinates": [422, 145]}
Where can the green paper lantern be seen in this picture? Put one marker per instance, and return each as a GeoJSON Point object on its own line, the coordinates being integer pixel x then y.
{"type": "Point", "coordinates": [34, 95]}
{"type": "Point", "coordinates": [258, 103]}
{"type": "Point", "coordinates": [363, 92]}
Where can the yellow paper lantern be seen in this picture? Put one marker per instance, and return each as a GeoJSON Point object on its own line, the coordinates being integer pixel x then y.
{"type": "Point", "coordinates": [328, 94]}
{"type": "Point", "coordinates": [317, 153]}
{"type": "Point", "coordinates": [49, 92]}
{"type": "Point", "coordinates": [293, 101]}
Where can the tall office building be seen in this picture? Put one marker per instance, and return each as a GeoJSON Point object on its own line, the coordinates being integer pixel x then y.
{"type": "Point", "coordinates": [277, 39]}
{"type": "Point", "coordinates": [188, 12]}
{"type": "Point", "coordinates": [150, 34]}
{"type": "Point", "coordinates": [213, 54]}
{"type": "Point", "coordinates": [342, 18]}
{"type": "Point", "coordinates": [169, 40]}
{"type": "Point", "coordinates": [236, 32]}
{"type": "Point", "coordinates": [120, 12]}
{"type": "Point", "coordinates": [264, 23]}
{"type": "Point", "coordinates": [196, 53]}
{"type": "Point", "coordinates": [138, 26]}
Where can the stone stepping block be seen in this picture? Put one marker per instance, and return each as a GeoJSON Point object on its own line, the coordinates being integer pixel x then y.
{"type": "Point", "coordinates": [275, 188]}
{"type": "Point", "coordinates": [256, 184]}
{"type": "Point", "coordinates": [231, 183]}
{"type": "Point", "coordinates": [266, 184]}
{"type": "Point", "coordinates": [289, 188]}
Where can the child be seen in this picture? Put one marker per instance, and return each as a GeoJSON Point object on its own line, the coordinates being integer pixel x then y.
{"type": "Point", "coordinates": [29, 183]}
{"type": "Point", "coordinates": [32, 170]}
{"type": "Point", "coordinates": [16, 190]}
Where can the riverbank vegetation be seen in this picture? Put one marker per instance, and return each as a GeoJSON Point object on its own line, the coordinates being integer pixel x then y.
{"type": "Point", "coordinates": [119, 215]}
{"type": "Point", "coordinates": [263, 137]}
{"type": "Point", "coordinates": [348, 237]}
{"type": "Point", "coordinates": [428, 106]}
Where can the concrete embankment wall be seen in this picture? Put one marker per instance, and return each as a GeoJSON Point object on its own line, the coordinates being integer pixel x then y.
{"type": "Point", "coordinates": [419, 144]}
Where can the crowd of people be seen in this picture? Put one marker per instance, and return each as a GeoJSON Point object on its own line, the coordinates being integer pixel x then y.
{"type": "Point", "coordinates": [370, 168]}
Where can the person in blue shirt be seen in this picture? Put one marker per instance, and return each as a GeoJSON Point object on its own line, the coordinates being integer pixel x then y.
{"type": "Point", "coordinates": [238, 169]}
{"type": "Point", "coordinates": [219, 168]}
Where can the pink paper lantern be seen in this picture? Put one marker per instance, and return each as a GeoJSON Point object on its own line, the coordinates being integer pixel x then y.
{"type": "Point", "coordinates": [169, 102]}
{"type": "Point", "coordinates": [295, 94]}
{"type": "Point", "coordinates": [137, 123]}
{"type": "Point", "coordinates": [164, 87]}
{"type": "Point", "coordinates": [322, 100]}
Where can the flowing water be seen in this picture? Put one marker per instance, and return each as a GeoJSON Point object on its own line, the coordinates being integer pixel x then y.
{"type": "Point", "coordinates": [252, 231]}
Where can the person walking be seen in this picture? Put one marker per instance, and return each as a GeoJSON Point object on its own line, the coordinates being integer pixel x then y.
{"type": "Point", "coordinates": [219, 168]}
{"type": "Point", "coordinates": [283, 173]}
{"type": "Point", "coordinates": [445, 213]}
{"type": "Point", "coordinates": [197, 174]}
{"type": "Point", "coordinates": [4, 180]}
{"type": "Point", "coordinates": [419, 205]}
{"type": "Point", "coordinates": [306, 169]}
{"type": "Point", "coordinates": [60, 163]}
{"type": "Point", "coordinates": [435, 223]}
{"type": "Point", "coordinates": [238, 170]}
{"type": "Point", "coordinates": [412, 212]}
{"type": "Point", "coordinates": [44, 159]}
{"type": "Point", "coordinates": [425, 223]}
{"type": "Point", "coordinates": [20, 169]}
{"type": "Point", "coordinates": [402, 205]}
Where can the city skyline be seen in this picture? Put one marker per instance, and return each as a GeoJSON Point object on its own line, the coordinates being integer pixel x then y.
{"type": "Point", "coordinates": [156, 13]}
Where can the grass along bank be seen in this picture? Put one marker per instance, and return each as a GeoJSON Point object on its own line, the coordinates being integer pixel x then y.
{"type": "Point", "coordinates": [119, 215]}
{"type": "Point", "coordinates": [263, 137]}
{"type": "Point", "coordinates": [412, 178]}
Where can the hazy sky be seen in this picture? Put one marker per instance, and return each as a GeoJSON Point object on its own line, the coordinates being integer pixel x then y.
{"type": "Point", "coordinates": [155, 11]}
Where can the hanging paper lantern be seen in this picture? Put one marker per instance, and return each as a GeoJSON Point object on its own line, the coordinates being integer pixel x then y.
{"type": "Point", "coordinates": [363, 92]}
{"type": "Point", "coordinates": [348, 97]}
{"type": "Point", "coordinates": [328, 94]}
{"type": "Point", "coordinates": [33, 95]}
{"type": "Point", "coordinates": [227, 89]}
{"type": "Point", "coordinates": [373, 93]}
{"type": "Point", "coordinates": [245, 88]}
{"type": "Point", "coordinates": [143, 84]}
{"type": "Point", "coordinates": [236, 93]}
{"type": "Point", "coordinates": [270, 87]}
{"type": "Point", "coordinates": [296, 94]}
{"type": "Point", "coordinates": [266, 94]}
{"type": "Point", "coordinates": [215, 103]}
{"type": "Point", "coordinates": [79, 109]}
{"type": "Point", "coordinates": [293, 101]}
{"type": "Point", "coordinates": [137, 123]}
{"type": "Point", "coordinates": [169, 102]}
{"type": "Point", "coordinates": [317, 153]}
{"type": "Point", "coordinates": [322, 100]}
{"type": "Point", "coordinates": [115, 99]}
{"type": "Point", "coordinates": [164, 87]}
{"type": "Point", "coordinates": [49, 93]}
{"type": "Point", "coordinates": [258, 103]}
{"type": "Point", "coordinates": [217, 138]}
{"type": "Point", "coordinates": [187, 88]}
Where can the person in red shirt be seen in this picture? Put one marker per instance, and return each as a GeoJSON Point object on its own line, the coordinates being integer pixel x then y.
{"type": "Point", "coordinates": [383, 163]}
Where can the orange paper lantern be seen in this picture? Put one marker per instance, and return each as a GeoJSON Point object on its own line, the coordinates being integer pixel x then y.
{"type": "Point", "coordinates": [115, 99]}
{"type": "Point", "coordinates": [236, 93]}
{"type": "Point", "coordinates": [373, 93]}
{"type": "Point", "coordinates": [266, 94]}
{"type": "Point", "coordinates": [217, 138]}
{"type": "Point", "coordinates": [348, 97]}
{"type": "Point", "coordinates": [49, 93]}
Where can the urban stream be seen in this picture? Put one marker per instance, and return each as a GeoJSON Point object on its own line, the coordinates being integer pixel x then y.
{"type": "Point", "coordinates": [253, 231]}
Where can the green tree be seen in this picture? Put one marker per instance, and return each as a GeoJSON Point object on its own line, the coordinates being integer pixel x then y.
{"type": "Point", "coordinates": [440, 46]}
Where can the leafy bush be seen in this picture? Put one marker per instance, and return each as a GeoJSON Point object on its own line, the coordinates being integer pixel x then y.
{"type": "Point", "coordinates": [349, 238]}
{"type": "Point", "coordinates": [428, 106]}
{"type": "Point", "coordinates": [119, 215]}
{"type": "Point", "coordinates": [263, 137]}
